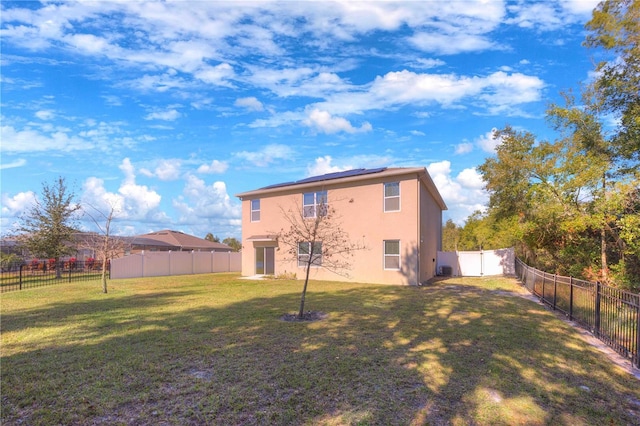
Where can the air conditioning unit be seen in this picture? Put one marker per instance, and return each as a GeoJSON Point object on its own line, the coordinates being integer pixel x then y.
{"type": "Point", "coordinates": [445, 271]}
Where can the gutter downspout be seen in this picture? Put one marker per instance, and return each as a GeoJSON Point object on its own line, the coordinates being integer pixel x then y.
{"type": "Point", "coordinates": [418, 234]}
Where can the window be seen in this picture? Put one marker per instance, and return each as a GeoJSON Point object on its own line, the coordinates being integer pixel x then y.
{"type": "Point", "coordinates": [392, 254]}
{"type": "Point", "coordinates": [392, 197]}
{"type": "Point", "coordinates": [312, 202]}
{"type": "Point", "coordinates": [304, 248]}
{"type": "Point", "coordinates": [255, 210]}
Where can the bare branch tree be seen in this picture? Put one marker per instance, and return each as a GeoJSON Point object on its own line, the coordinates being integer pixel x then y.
{"type": "Point", "coordinates": [315, 238]}
{"type": "Point", "coordinates": [103, 242]}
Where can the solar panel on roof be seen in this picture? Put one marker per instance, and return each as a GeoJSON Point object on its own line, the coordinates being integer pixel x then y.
{"type": "Point", "coordinates": [329, 176]}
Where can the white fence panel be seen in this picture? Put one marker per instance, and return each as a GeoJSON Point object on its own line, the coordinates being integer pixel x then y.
{"type": "Point", "coordinates": [470, 263]}
{"type": "Point", "coordinates": [181, 263]}
{"type": "Point", "coordinates": [476, 263]}
{"type": "Point", "coordinates": [127, 267]}
{"type": "Point", "coordinates": [203, 262]}
{"type": "Point", "coordinates": [155, 264]}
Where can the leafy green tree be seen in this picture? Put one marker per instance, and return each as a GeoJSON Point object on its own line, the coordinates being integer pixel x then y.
{"type": "Point", "coordinates": [615, 29]}
{"type": "Point", "coordinates": [450, 236]}
{"type": "Point", "coordinates": [9, 260]}
{"type": "Point", "coordinates": [212, 238]}
{"type": "Point", "coordinates": [233, 243]}
{"type": "Point", "coordinates": [572, 204]}
{"type": "Point", "coordinates": [48, 226]}
{"type": "Point", "coordinates": [483, 231]}
{"type": "Point", "coordinates": [507, 175]}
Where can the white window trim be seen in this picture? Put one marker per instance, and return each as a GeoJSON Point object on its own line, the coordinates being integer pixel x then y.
{"type": "Point", "coordinates": [384, 197]}
{"type": "Point", "coordinates": [385, 255]}
{"type": "Point", "coordinates": [317, 263]}
{"type": "Point", "coordinates": [252, 210]}
{"type": "Point", "coordinates": [315, 204]}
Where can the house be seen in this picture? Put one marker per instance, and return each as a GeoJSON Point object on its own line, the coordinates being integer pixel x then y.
{"type": "Point", "coordinates": [168, 240]}
{"type": "Point", "coordinates": [85, 245]}
{"type": "Point", "coordinates": [396, 213]}
{"type": "Point", "coordinates": [165, 240]}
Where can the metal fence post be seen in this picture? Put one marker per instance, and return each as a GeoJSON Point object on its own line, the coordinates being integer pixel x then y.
{"type": "Point", "coordinates": [597, 310]}
{"type": "Point", "coordinates": [571, 298]}
{"type": "Point", "coordinates": [555, 290]}
{"type": "Point", "coordinates": [21, 266]}
{"type": "Point", "coordinates": [636, 359]}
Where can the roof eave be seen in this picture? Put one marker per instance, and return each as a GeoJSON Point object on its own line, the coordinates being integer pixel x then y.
{"type": "Point", "coordinates": [387, 172]}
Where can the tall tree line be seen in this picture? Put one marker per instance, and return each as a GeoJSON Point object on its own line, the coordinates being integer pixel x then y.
{"type": "Point", "coordinates": [572, 205]}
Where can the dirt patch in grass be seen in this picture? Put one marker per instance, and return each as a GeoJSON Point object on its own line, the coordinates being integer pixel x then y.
{"type": "Point", "coordinates": [309, 316]}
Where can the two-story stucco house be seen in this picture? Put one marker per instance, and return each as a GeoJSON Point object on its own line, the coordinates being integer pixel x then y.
{"type": "Point", "coordinates": [396, 213]}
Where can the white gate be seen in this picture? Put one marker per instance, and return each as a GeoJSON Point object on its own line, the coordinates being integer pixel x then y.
{"type": "Point", "coordinates": [476, 263]}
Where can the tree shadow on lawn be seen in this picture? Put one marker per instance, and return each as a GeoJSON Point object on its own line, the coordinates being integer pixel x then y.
{"type": "Point", "coordinates": [446, 354]}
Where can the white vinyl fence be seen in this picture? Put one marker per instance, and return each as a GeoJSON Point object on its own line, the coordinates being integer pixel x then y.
{"type": "Point", "coordinates": [476, 263]}
{"type": "Point", "coordinates": [159, 263]}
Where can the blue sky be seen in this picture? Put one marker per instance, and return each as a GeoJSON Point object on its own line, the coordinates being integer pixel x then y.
{"type": "Point", "coordinates": [165, 110]}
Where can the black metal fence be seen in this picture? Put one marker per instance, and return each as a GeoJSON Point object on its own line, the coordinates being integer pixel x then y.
{"type": "Point", "coordinates": [39, 273]}
{"type": "Point", "coordinates": [611, 314]}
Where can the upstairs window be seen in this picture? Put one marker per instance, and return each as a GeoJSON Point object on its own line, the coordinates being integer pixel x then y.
{"type": "Point", "coordinates": [392, 254]}
{"type": "Point", "coordinates": [392, 197]}
{"type": "Point", "coordinates": [255, 210]}
{"type": "Point", "coordinates": [306, 249]}
{"type": "Point", "coordinates": [314, 203]}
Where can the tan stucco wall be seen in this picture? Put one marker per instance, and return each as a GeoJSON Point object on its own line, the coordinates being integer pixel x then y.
{"type": "Point", "coordinates": [361, 211]}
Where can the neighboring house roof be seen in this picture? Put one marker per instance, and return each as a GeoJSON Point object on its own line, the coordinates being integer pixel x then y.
{"type": "Point", "coordinates": [179, 240]}
{"type": "Point", "coordinates": [354, 175]}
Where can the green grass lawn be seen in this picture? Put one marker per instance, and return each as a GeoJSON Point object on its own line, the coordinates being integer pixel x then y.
{"type": "Point", "coordinates": [211, 349]}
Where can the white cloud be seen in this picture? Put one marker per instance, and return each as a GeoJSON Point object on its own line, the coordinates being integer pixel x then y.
{"type": "Point", "coordinates": [112, 100]}
{"type": "Point", "coordinates": [303, 81]}
{"type": "Point", "coordinates": [208, 208]}
{"type": "Point", "coordinates": [324, 122]}
{"type": "Point", "coordinates": [496, 93]}
{"type": "Point", "coordinates": [19, 203]}
{"type": "Point", "coordinates": [450, 44]}
{"type": "Point", "coordinates": [45, 114]}
{"type": "Point", "coordinates": [470, 178]}
{"type": "Point", "coordinates": [86, 135]}
{"type": "Point", "coordinates": [33, 140]}
{"type": "Point", "coordinates": [218, 75]}
{"type": "Point", "coordinates": [464, 148]}
{"type": "Point", "coordinates": [89, 43]}
{"type": "Point", "coordinates": [96, 197]}
{"type": "Point", "coordinates": [158, 83]}
{"type": "Point", "coordinates": [326, 164]}
{"type": "Point", "coordinates": [267, 155]}
{"type": "Point", "coordinates": [426, 63]}
{"type": "Point", "coordinates": [166, 170]}
{"type": "Point", "coordinates": [139, 201]}
{"type": "Point", "coordinates": [580, 7]}
{"type": "Point", "coordinates": [251, 103]}
{"type": "Point", "coordinates": [322, 166]}
{"type": "Point", "coordinates": [550, 15]}
{"type": "Point", "coordinates": [14, 164]}
{"type": "Point", "coordinates": [216, 166]}
{"type": "Point", "coordinates": [463, 194]}
{"type": "Point", "coordinates": [168, 115]}
{"type": "Point", "coordinates": [488, 142]}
